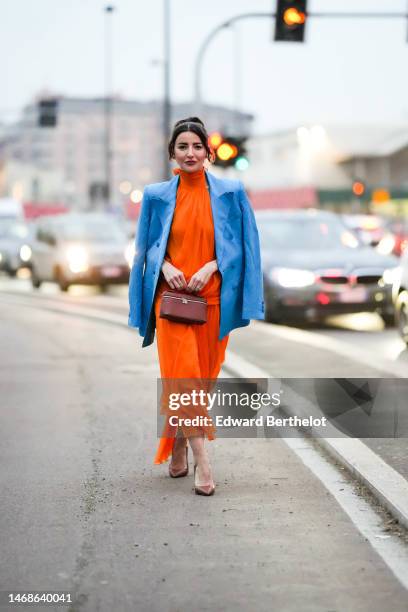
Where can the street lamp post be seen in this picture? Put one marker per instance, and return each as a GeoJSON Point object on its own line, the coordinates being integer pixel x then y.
{"type": "Point", "coordinates": [108, 106]}
{"type": "Point", "coordinates": [237, 78]}
{"type": "Point", "coordinates": [204, 46]}
{"type": "Point", "coordinates": [166, 92]}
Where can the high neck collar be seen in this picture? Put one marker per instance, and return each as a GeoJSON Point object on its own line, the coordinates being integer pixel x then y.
{"type": "Point", "coordinates": [191, 179]}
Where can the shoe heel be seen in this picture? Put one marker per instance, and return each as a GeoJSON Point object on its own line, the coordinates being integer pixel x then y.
{"type": "Point", "coordinates": [206, 490]}
{"type": "Point", "coordinates": [179, 473]}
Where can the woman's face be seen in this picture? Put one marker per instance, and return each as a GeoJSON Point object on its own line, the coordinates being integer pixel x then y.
{"type": "Point", "coordinates": [189, 152]}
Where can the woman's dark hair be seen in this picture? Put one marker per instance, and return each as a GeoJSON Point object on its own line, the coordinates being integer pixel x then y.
{"type": "Point", "coordinates": [191, 124]}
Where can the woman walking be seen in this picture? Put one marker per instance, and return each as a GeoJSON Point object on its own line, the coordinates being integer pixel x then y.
{"type": "Point", "coordinates": [197, 235]}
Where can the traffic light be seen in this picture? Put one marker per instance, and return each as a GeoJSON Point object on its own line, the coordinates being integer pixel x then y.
{"type": "Point", "coordinates": [358, 188]}
{"type": "Point", "coordinates": [361, 201]}
{"type": "Point", "coordinates": [290, 20]}
{"type": "Point", "coordinates": [47, 112]}
{"type": "Point", "coordinates": [230, 151]}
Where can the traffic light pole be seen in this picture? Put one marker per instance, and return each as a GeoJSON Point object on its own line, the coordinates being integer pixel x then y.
{"type": "Point", "coordinates": [108, 193]}
{"type": "Point", "coordinates": [226, 24]}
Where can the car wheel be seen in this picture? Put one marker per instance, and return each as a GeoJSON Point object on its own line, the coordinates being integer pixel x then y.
{"type": "Point", "coordinates": [389, 319]}
{"type": "Point", "coordinates": [273, 313]}
{"type": "Point", "coordinates": [62, 283]}
{"type": "Point", "coordinates": [401, 309]}
{"type": "Point", "coordinates": [35, 281]}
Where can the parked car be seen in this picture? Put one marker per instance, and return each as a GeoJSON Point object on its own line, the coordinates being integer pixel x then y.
{"type": "Point", "coordinates": [314, 266]}
{"type": "Point", "coordinates": [14, 251]}
{"type": "Point", "coordinates": [85, 248]}
{"type": "Point", "coordinates": [400, 297]}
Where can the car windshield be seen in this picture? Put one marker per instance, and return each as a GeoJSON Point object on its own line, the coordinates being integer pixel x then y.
{"type": "Point", "coordinates": [308, 234]}
{"type": "Point", "coordinates": [92, 232]}
{"type": "Point", "coordinates": [9, 228]}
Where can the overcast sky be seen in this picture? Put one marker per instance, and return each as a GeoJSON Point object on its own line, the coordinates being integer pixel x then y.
{"type": "Point", "coordinates": [347, 71]}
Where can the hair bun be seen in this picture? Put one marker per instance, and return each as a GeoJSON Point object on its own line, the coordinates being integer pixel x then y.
{"type": "Point", "coordinates": [196, 120]}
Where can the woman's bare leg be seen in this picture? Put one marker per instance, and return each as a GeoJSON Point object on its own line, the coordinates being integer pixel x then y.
{"type": "Point", "coordinates": [204, 474]}
{"type": "Point", "coordinates": [178, 457]}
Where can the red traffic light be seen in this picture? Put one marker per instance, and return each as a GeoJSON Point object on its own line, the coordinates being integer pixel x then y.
{"type": "Point", "coordinates": [228, 150]}
{"type": "Point", "coordinates": [214, 140]}
{"type": "Point", "coordinates": [358, 188]}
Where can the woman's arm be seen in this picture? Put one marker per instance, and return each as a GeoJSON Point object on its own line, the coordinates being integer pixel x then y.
{"type": "Point", "coordinates": [202, 276]}
{"type": "Point", "coordinates": [165, 260]}
{"type": "Point", "coordinates": [210, 266]}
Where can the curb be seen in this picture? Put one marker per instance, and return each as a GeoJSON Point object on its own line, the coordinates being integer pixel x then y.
{"type": "Point", "coordinates": [388, 486]}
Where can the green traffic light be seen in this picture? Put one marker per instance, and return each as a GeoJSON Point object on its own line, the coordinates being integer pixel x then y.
{"type": "Point", "coordinates": [241, 163]}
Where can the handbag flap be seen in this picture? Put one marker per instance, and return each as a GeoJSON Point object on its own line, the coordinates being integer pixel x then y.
{"type": "Point", "coordinates": [191, 297]}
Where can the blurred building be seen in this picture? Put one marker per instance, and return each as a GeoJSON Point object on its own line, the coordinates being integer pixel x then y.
{"type": "Point", "coordinates": [308, 166]}
{"type": "Point", "coordinates": [74, 149]}
{"type": "Point", "coordinates": [27, 182]}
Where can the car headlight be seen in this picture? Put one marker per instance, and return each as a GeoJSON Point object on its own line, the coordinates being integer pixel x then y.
{"type": "Point", "coordinates": [386, 244]}
{"type": "Point", "coordinates": [390, 275]}
{"type": "Point", "coordinates": [130, 253]}
{"type": "Point", "coordinates": [78, 260]}
{"type": "Point", "coordinates": [349, 240]}
{"type": "Point", "coordinates": [291, 277]}
{"type": "Point", "coordinates": [25, 252]}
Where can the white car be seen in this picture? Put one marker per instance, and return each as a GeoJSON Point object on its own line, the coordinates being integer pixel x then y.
{"type": "Point", "coordinates": [84, 248]}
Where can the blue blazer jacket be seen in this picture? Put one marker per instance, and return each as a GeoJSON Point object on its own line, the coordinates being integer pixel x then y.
{"type": "Point", "coordinates": [237, 252]}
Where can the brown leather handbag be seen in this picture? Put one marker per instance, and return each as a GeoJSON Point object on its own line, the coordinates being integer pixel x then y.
{"type": "Point", "coordinates": [183, 307]}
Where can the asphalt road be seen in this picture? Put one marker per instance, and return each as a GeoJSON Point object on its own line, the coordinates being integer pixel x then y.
{"type": "Point", "coordinates": [363, 331]}
{"type": "Point", "coordinates": [85, 509]}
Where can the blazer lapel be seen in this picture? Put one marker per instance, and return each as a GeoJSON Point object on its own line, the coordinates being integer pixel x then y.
{"type": "Point", "coordinates": [220, 203]}
{"type": "Point", "coordinates": [168, 197]}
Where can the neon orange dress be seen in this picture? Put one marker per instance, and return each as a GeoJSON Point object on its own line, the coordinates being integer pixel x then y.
{"type": "Point", "coordinates": [190, 350]}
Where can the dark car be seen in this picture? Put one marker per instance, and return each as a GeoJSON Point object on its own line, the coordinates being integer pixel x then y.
{"type": "Point", "coordinates": [314, 266]}
{"type": "Point", "coordinates": [14, 251]}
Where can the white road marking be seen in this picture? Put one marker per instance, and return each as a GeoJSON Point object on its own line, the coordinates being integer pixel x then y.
{"type": "Point", "coordinates": [334, 345]}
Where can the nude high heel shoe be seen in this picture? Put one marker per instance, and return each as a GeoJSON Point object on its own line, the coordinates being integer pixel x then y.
{"type": "Point", "coordinates": [182, 472]}
{"type": "Point", "coordinates": [202, 489]}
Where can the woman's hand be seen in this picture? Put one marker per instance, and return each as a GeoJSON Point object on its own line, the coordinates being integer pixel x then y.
{"type": "Point", "coordinates": [202, 276]}
{"type": "Point", "coordinates": [174, 276]}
